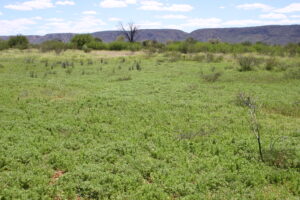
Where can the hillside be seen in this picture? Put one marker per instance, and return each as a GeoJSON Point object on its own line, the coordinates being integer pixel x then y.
{"type": "Point", "coordinates": [268, 34]}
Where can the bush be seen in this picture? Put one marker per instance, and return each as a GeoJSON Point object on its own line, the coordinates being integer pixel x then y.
{"type": "Point", "coordinates": [53, 45]}
{"type": "Point", "coordinates": [247, 63]}
{"type": "Point", "coordinates": [117, 46]}
{"type": "Point", "coordinates": [80, 40]}
{"type": "Point", "coordinates": [86, 49]}
{"type": "Point", "coordinates": [19, 42]}
{"type": "Point", "coordinates": [3, 45]}
{"type": "Point", "coordinates": [270, 64]}
{"type": "Point", "coordinates": [97, 45]}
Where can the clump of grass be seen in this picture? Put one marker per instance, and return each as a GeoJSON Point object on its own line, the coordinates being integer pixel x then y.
{"type": "Point", "coordinates": [138, 66]}
{"type": "Point", "coordinates": [29, 60]}
{"type": "Point", "coordinates": [271, 63]}
{"type": "Point", "coordinates": [122, 60]}
{"type": "Point", "coordinates": [198, 58]}
{"type": "Point", "coordinates": [69, 71]}
{"type": "Point", "coordinates": [124, 78]}
{"type": "Point", "coordinates": [211, 58]}
{"type": "Point", "coordinates": [282, 154]}
{"type": "Point", "coordinates": [247, 63]}
{"type": "Point", "coordinates": [173, 56]}
{"type": "Point", "coordinates": [33, 74]}
{"type": "Point", "coordinates": [90, 62]}
{"type": "Point", "coordinates": [213, 77]}
{"type": "Point", "coordinates": [1, 66]}
{"type": "Point", "coordinates": [293, 73]}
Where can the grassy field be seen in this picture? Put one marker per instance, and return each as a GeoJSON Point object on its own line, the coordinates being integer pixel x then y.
{"type": "Point", "coordinates": [165, 126]}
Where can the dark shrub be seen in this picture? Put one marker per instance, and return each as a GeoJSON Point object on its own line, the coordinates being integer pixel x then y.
{"type": "Point", "coordinates": [270, 64]}
{"type": "Point", "coordinates": [3, 45]}
{"type": "Point", "coordinates": [53, 45]}
{"type": "Point", "coordinates": [19, 41]}
{"type": "Point", "coordinates": [247, 63]}
{"type": "Point", "coordinates": [80, 40]}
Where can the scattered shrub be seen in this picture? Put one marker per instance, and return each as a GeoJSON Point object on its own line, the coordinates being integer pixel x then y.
{"type": "Point", "coordinates": [19, 42]}
{"type": "Point", "coordinates": [293, 73]}
{"type": "Point", "coordinates": [86, 49]}
{"type": "Point", "coordinates": [82, 39]}
{"type": "Point", "coordinates": [53, 45]}
{"type": "Point", "coordinates": [3, 45]}
{"type": "Point", "coordinates": [271, 63]}
{"type": "Point", "coordinates": [246, 63]}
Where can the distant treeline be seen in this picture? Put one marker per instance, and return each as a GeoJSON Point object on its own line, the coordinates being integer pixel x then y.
{"type": "Point", "coordinates": [88, 43]}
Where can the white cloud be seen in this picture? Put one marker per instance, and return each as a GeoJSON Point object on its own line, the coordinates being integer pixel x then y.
{"type": "Point", "coordinates": [30, 5]}
{"type": "Point", "coordinates": [149, 24]}
{"type": "Point", "coordinates": [172, 17]}
{"type": "Point", "coordinates": [15, 26]}
{"type": "Point", "coordinates": [116, 3]}
{"type": "Point", "coordinates": [273, 16]}
{"type": "Point", "coordinates": [89, 12]}
{"type": "Point", "coordinates": [295, 16]}
{"type": "Point", "coordinates": [1, 13]}
{"type": "Point", "coordinates": [173, 26]}
{"type": "Point", "coordinates": [115, 19]}
{"type": "Point", "coordinates": [245, 22]}
{"type": "Point", "coordinates": [253, 6]}
{"type": "Point", "coordinates": [294, 7]}
{"type": "Point", "coordinates": [65, 3]}
{"type": "Point", "coordinates": [222, 7]}
{"type": "Point", "coordinates": [85, 24]}
{"type": "Point", "coordinates": [158, 6]}
{"type": "Point", "coordinates": [203, 22]}
{"type": "Point", "coordinates": [55, 20]}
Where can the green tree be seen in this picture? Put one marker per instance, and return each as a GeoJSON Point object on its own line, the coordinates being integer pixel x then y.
{"type": "Point", "coordinates": [82, 39]}
{"type": "Point", "coordinates": [19, 41]}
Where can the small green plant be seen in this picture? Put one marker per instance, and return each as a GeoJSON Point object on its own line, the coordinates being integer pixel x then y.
{"type": "Point", "coordinates": [249, 102]}
{"type": "Point", "coordinates": [32, 74]}
{"type": "Point", "coordinates": [69, 71]}
{"type": "Point", "coordinates": [293, 73]}
{"type": "Point", "coordinates": [124, 78]}
{"type": "Point", "coordinates": [271, 63]}
{"type": "Point", "coordinates": [86, 49]}
{"type": "Point", "coordinates": [213, 77]}
{"type": "Point", "coordinates": [246, 63]}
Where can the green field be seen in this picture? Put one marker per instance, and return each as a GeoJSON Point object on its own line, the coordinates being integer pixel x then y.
{"type": "Point", "coordinates": [147, 126]}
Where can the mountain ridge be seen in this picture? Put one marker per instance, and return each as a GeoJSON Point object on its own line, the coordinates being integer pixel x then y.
{"type": "Point", "coordinates": [271, 34]}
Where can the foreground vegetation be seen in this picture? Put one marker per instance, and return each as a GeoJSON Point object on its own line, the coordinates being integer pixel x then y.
{"type": "Point", "coordinates": [149, 126]}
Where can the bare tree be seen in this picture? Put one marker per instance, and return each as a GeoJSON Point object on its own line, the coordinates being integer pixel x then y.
{"type": "Point", "coordinates": [131, 32]}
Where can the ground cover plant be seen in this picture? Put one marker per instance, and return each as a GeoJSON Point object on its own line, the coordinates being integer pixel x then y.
{"type": "Point", "coordinates": [107, 125]}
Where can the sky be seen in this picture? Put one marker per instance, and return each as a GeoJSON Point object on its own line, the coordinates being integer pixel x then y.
{"type": "Point", "coordinates": [39, 17]}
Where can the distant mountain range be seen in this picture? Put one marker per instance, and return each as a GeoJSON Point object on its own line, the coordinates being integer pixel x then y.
{"type": "Point", "coordinates": [274, 34]}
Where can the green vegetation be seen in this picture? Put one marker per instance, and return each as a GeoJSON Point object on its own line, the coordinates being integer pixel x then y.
{"type": "Point", "coordinates": [19, 42]}
{"type": "Point", "coordinates": [87, 43]}
{"type": "Point", "coordinates": [82, 39]}
{"type": "Point", "coordinates": [78, 125]}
